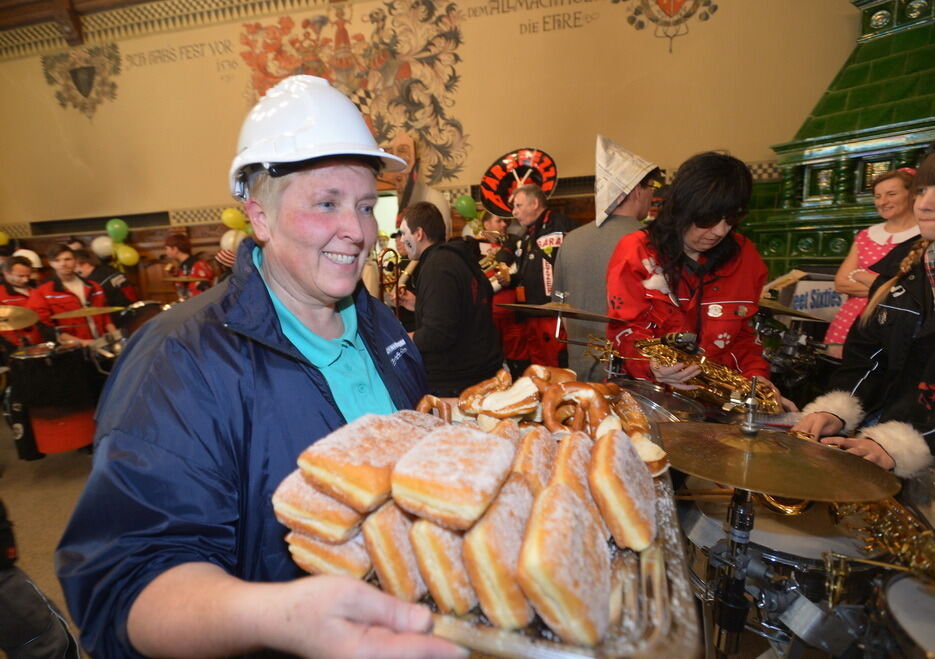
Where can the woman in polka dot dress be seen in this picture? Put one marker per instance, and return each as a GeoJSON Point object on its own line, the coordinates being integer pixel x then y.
{"type": "Point", "coordinates": [891, 196]}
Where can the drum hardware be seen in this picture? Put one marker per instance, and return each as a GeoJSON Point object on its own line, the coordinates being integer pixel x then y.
{"type": "Point", "coordinates": [715, 384]}
{"type": "Point", "coordinates": [783, 310]}
{"type": "Point", "coordinates": [84, 312]}
{"type": "Point", "coordinates": [16, 318]}
{"type": "Point", "coordinates": [560, 309]}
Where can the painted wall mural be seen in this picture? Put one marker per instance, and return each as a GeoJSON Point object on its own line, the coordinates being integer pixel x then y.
{"type": "Point", "coordinates": [669, 16]}
{"type": "Point", "coordinates": [83, 78]}
{"type": "Point", "coordinates": [401, 71]}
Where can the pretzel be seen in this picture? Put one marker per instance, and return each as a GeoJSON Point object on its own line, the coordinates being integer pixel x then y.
{"type": "Point", "coordinates": [551, 374]}
{"type": "Point", "coordinates": [430, 404]}
{"type": "Point", "coordinates": [591, 413]}
{"type": "Point", "coordinates": [471, 398]}
{"type": "Point", "coordinates": [520, 399]}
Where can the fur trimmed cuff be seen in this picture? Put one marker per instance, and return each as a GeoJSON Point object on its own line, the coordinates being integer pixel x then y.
{"type": "Point", "coordinates": [905, 445]}
{"type": "Point", "coordinates": [842, 405]}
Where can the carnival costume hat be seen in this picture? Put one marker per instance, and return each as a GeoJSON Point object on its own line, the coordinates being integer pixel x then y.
{"type": "Point", "coordinates": [616, 172]}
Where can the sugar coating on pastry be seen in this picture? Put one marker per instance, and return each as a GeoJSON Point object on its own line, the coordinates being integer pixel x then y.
{"type": "Point", "coordinates": [570, 467]}
{"type": "Point", "coordinates": [452, 475]}
{"type": "Point", "coordinates": [422, 420]}
{"type": "Point", "coordinates": [564, 566]}
{"type": "Point", "coordinates": [623, 488]}
{"type": "Point", "coordinates": [534, 457]}
{"type": "Point", "coordinates": [386, 533]}
{"type": "Point", "coordinates": [316, 557]}
{"type": "Point", "coordinates": [491, 554]}
{"type": "Point", "coordinates": [508, 429]}
{"type": "Point", "coordinates": [441, 564]}
{"type": "Point", "coordinates": [301, 507]}
{"type": "Point", "coordinates": [354, 463]}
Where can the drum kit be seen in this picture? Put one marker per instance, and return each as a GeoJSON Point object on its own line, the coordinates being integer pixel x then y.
{"type": "Point", "coordinates": [801, 577]}
{"type": "Point", "coordinates": [54, 385]}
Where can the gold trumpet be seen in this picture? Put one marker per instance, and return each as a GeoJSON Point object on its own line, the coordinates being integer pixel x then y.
{"type": "Point", "coordinates": [716, 384]}
{"type": "Point", "coordinates": [388, 266]}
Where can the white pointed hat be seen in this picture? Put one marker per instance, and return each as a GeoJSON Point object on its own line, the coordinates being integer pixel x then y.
{"type": "Point", "coordinates": [616, 172]}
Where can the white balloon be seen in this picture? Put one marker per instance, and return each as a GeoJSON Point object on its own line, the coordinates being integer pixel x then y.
{"type": "Point", "coordinates": [103, 246]}
{"type": "Point", "coordinates": [231, 239]}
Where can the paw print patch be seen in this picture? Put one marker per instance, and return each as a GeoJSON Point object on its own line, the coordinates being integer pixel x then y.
{"type": "Point", "coordinates": [615, 302]}
{"type": "Point", "coordinates": [722, 340]}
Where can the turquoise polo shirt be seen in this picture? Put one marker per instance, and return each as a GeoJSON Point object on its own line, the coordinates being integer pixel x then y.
{"type": "Point", "coordinates": [344, 362]}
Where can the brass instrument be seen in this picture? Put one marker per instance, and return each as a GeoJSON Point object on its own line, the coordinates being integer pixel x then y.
{"type": "Point", "coordinates": [888, 527]}
{"type": "Point", "coordinates": [388, 267]}
{"type": "Point", "coordinates": [716, 384]}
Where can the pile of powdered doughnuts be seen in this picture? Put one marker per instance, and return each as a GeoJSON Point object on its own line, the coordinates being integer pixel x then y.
{"type": "Point", "coordinates": [513, 508]}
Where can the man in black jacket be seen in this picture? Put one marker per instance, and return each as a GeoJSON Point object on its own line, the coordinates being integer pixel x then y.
{"type": "Point", "coordinates": [453, 305]}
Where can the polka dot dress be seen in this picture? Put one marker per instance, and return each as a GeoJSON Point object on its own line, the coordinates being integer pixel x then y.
{"type": "Point", "coordinates": [873, 243]}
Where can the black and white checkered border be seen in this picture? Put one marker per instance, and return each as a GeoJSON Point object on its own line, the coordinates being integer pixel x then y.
{"type": "Point", "coordinates": [766, 170]}
{"type": "Point", "coordinates": [188, 216]}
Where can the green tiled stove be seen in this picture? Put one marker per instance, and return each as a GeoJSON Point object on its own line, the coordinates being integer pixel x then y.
{"type": "Point", "coordinates": [878, 114]}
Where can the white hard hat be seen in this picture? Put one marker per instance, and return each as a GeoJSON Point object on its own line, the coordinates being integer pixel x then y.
{"type": "Point", "coordinates": [31, 255]}
{"type": "Point", "coordinates": [301, 118]}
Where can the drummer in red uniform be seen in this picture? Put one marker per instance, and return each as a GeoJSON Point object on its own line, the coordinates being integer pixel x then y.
{"type": "Point", "coordinates": [15, 292]}
{"type": "Point", "coordinates": [66, 291]}
{"type": "Point", "coordinates": [179, 247]}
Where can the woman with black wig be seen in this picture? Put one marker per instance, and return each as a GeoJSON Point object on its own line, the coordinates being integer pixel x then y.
{"type": "Point", "coordinates": [688, 271]}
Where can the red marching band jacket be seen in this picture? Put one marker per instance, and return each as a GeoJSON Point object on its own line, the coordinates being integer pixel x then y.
{"type": "Point", "coordinates": [638, 297]}
{"type": "Point", "coordinates": [9, 296]}
{"type": "Point", "coordinates": [51, 298]}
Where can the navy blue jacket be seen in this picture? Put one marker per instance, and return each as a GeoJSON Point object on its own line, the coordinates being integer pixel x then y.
{"type": "Point", "coordinates": [205, 413]}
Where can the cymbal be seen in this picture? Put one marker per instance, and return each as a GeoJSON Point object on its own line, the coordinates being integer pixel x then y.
{"type": "Point", "coordinates": [184, 279]}
{"type": "Point", "coordinates": [775, 463]}
{"type": "Point", "coordinates": [84, 312]}
{"type": "Point", "coordinates": [560, 309]}
{"type": "Point", "coordinates": [776, 307]}
{"type": "Point", "coordinates": [15, 318]}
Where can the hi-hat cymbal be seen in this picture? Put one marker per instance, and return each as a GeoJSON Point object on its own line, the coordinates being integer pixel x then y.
{"type": "Point", "coordinates": [560, 309]}
{"type": "Point", "coordinates": [184, 279]}
{"type": "Point", "coordinates": [776, 307]}
{"type": "Point", "coordinates": [16, 318]}
{"type": "Point", "coordinates": [774, 463]}
{"type": "Point", "coordinates": [84, 312]}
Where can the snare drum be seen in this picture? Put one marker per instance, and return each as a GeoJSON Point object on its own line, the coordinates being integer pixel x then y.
{"type": "Point", "coordinates": [910, 608]}
{"type": "Point", "coordinates": [59, 388]}
{"type": "Point", "coordinates": [791, 546]}
{"type": "Point", "coordinates": [133, 317]}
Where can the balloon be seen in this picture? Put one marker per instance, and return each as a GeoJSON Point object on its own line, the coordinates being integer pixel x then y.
{"type": "Point", "coordinates": [231, 239]}
{"type": "Point", "coordinates": [248, 229]}
{"type": "Point", "coordinates": [117, 229]}
{"type": "Point", "coordinates": [4, 238]}
{"type": "Point", "coordinates": [233, 218]}
{"type": "Point", "coordinates": [466, 206]}
{"type": "Point", "coordinates": [103, 246]}
{"type": "Point", "coordinates": [126, 255]}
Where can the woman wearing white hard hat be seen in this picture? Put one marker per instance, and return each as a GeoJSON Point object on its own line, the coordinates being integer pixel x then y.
{"type": "Point", "coordinates": [213, 401]}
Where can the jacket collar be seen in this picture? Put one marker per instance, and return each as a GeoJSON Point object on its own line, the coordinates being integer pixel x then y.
{"type": "Point", "coordinates": [58, 286]}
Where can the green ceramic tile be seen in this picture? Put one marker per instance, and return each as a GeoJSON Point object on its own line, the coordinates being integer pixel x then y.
{"type": "Point", "coordinates": [914, 38]}
{"type": "Point", "coordinates": [830, 103]}
{"type": "Point", "coordinates": [926, 83]}
{"type": "Point", "coordinates": [872, 50]}
{"type": "Point", "coordinates": [920, 59]}
{"type": "Point", "coordinates": [839, 123]}
{"type": "Point", "coordinates": [916, 108]}
{"type": "Point", "coordinates": [887, 67]}
{"type": "Point", "coordinates": [852, 76]}
{"type": "Point", "coordinates": [861, 97]}
{"type": "Point", "coordinates": [813, 127]}
{"type": "Point", "coordinates": [898, 89]}
{"type": "Point", "coordinates": [872, 117]}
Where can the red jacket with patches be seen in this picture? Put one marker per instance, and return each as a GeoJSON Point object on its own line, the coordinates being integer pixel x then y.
{"type": "Point", "coordinates": [51, 298]}
{"type": "Point", "coordinates": [638, 296]}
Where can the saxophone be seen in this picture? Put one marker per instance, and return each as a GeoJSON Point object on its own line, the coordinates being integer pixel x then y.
{"type": "Point", "coordinates": [716, 384]}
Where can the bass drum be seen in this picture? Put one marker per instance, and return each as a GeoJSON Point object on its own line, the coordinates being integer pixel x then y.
{"type": "Point", "coordinates": [133, 317]}
{"type": "Point", "coordinates": [910, 609]}
{"type": "Point", "coordinates": [677, 406]}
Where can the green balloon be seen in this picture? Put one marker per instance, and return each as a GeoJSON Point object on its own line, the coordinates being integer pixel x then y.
{"type": "Point", "coordinates": [117, 229]}
{"type": "Point", "coordinates": [466, 206]}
